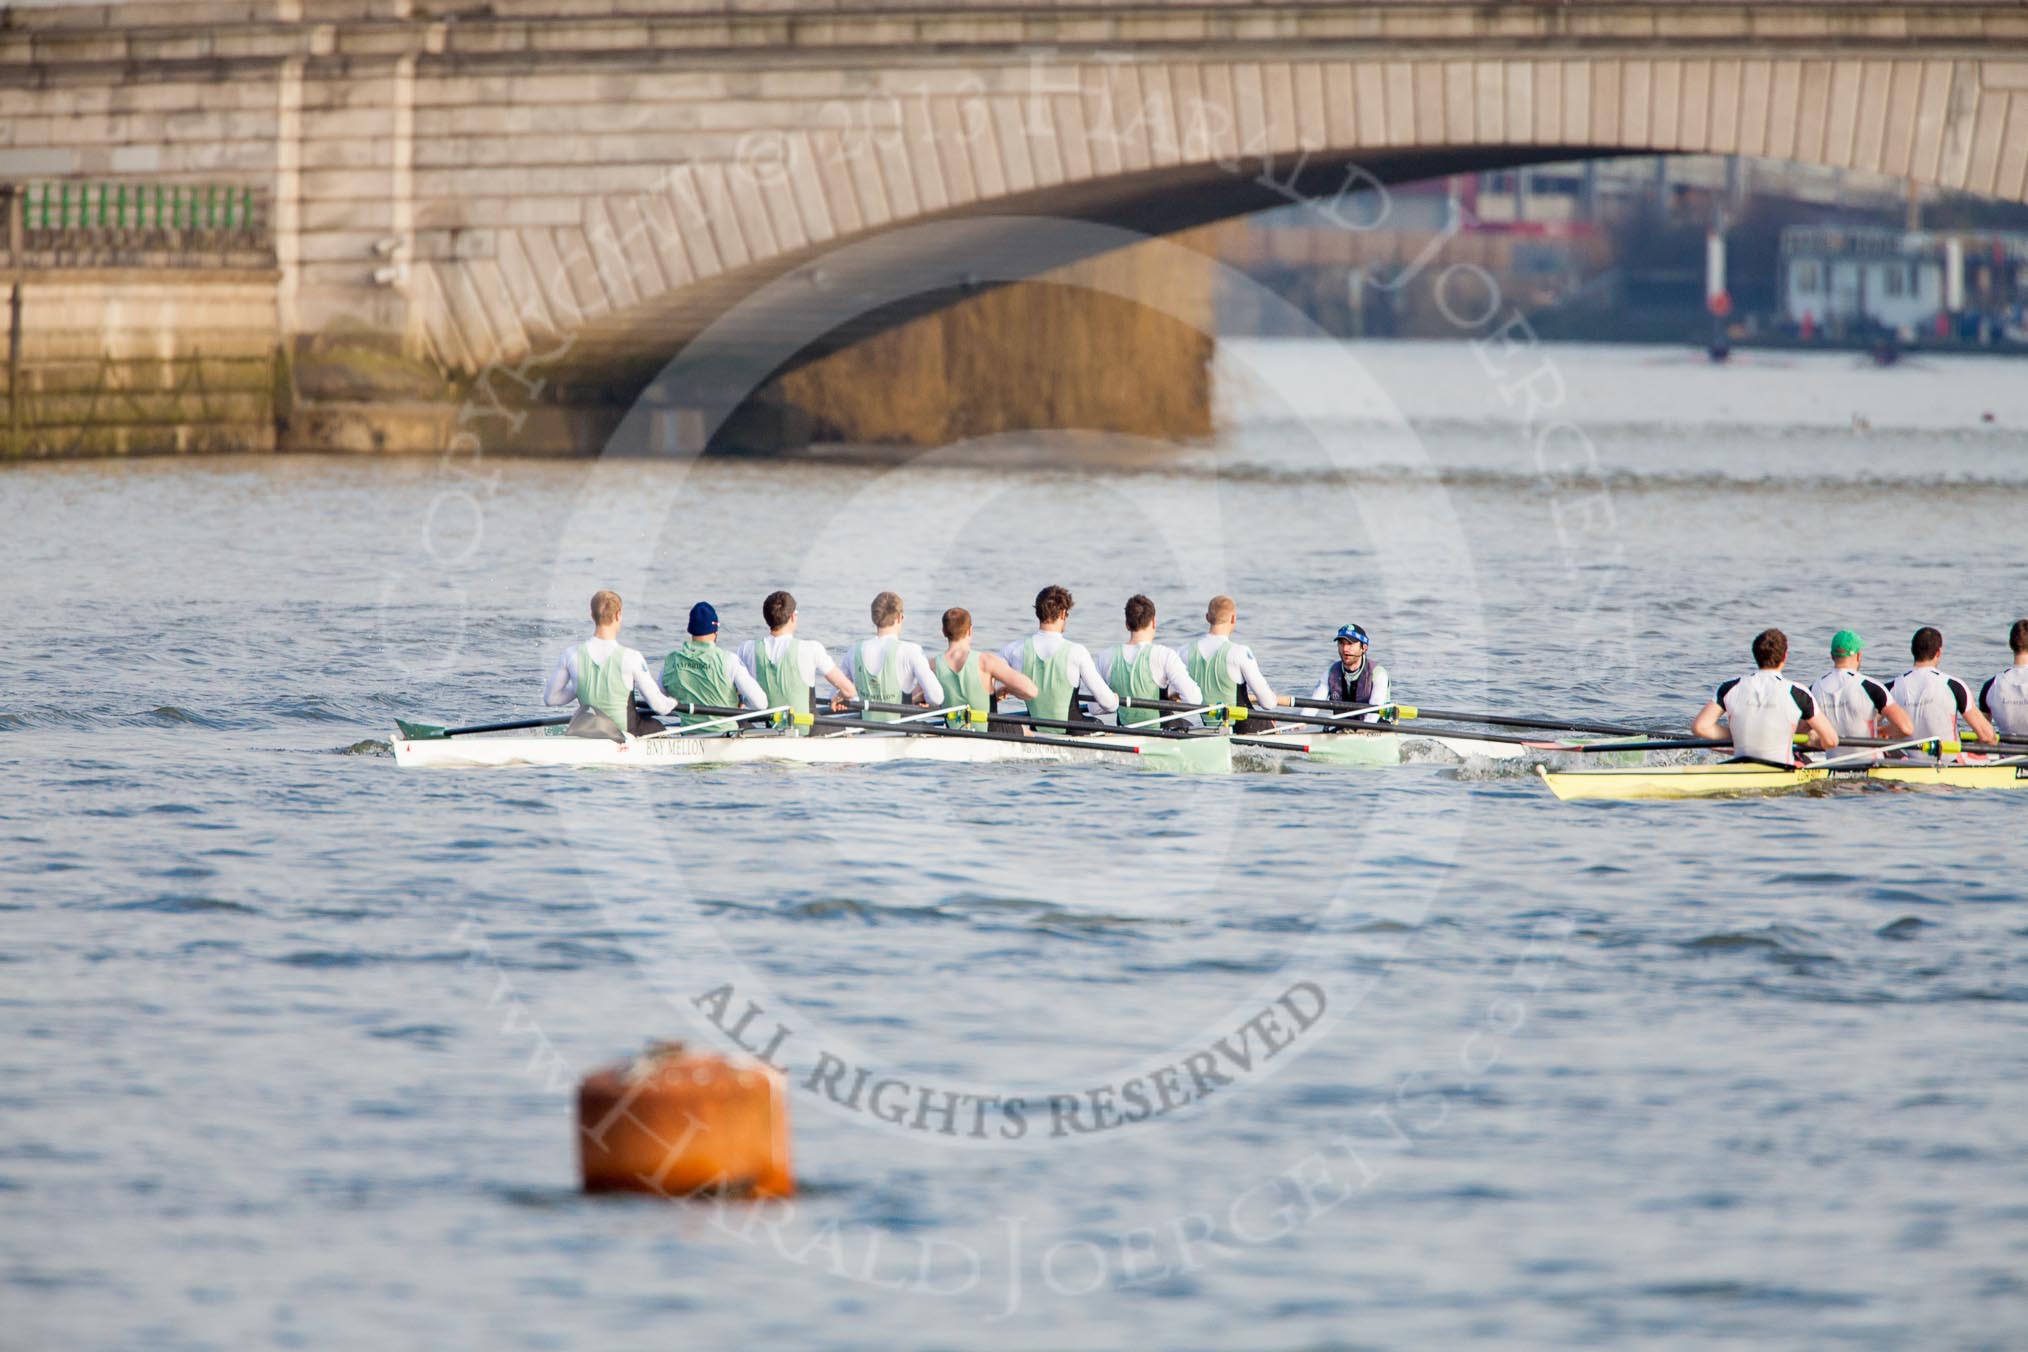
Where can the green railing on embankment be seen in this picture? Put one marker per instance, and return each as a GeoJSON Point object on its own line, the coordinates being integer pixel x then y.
{"type": "Point", "coordinates": [112, 223]}
{"type": "Point", "coordinates": [68, 388]}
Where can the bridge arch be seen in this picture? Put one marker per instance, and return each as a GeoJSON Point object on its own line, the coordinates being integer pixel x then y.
{"type": "Point", "coordinates": [1159, 145]}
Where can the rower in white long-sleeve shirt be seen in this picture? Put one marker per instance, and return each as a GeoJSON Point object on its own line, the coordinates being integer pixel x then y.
{"type": "Point", "coordinates": [887, 668]}
{"type": "Point", "coordinates": [1058, 666]}
{"type": "Point", "coordinates": [1222, 667]}
{"type": "Point", "coordinates": [1143, 669]}
{"type": "Point", "coordinates": [603, 675]}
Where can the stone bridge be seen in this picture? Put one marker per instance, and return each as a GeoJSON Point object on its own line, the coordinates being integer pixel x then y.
{"type": "Point", "coordinates": [593, 182]}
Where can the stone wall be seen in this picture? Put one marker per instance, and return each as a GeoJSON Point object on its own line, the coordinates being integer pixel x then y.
{"type": "Point", "coordinates": [124, 362]}
{"type": "Point", "coordinates": [1119, 343]}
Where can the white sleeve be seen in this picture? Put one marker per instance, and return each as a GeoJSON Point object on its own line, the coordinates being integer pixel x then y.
{"type": "Point", "coordinates": [1011, 655]}
{"type": "Point", "coordinates": [562, 687]}
{"type": "Point", "coordinates": [1323, 690]}
{"type": "Point", "coordinates": [746, 656]}
{"type": "Point", "coordinates": [812, 661]}
{"type": "Point", "coordinates": [646, 685]}
{"type": "Point", "coordinates": [1259, 692]}
{"type": "Point", "coordinates": [1174, 673]}
{"type": "Point", "coordinates": [750, 693]}
{"type": "Point", "coordinates": [922, 676]}
{"type": "Point", "coordinates": [1380, 692]}
{"type": "Point", "coordinates": [1086, 671]}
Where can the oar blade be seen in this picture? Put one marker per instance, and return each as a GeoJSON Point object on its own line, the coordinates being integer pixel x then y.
{"type": "Point", "coordinates": [420, 732]}
{"type": "Point", "coordinates": [1189, 755]}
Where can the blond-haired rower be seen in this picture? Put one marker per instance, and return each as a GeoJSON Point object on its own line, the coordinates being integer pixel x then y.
{"type": "Point", "coordinates": [1222, 667]}
{"type": "Point", "coordinates": [603, 677]}
{"type": "Point", "coordinates": [887, 668]}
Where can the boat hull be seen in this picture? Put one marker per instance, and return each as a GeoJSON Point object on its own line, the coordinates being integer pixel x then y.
{"type": "Point", "coordinates": [1198, 755]}
{"type": "Point", "coordinates": [1704, 781]}
{"type": "Point", "coordinates": [1675, 781]}
{"type": "Point", "coordinates": [2007, 776]}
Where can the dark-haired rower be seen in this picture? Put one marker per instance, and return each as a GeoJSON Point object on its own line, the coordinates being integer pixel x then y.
{"type": "Point", "coordinates": [1763, 709]}
{"type": "Point", "coordinates": [1142, 669]}
{"type": "Point", "coordinates": [2005, 697]}
{"type": "Point", "coordinates": [1934, 700]}
{"type": "Point", "coordinates": [787, 667]}
{"type": "Point", "coordinates": [1058, 666]}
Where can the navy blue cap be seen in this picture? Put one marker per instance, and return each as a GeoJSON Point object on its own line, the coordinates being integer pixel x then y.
{"type": "Point", "coordinates": [1353, 632]}
{"type": "Point", "coordinates": [703, 619]}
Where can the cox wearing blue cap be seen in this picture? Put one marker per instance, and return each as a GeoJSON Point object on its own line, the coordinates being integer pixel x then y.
{"type": "Point", "coordinates": [701, 672]}
{"type": "Point", "coordinates": [1354, 678]}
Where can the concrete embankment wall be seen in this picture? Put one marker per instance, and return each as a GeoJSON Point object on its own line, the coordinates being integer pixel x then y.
{"type": "Point", "coordinates": [133, 362]}
{"type": "Point", "coordinates": [1069, 351]}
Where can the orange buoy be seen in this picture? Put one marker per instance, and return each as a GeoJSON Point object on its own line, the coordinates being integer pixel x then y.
{"type": "Point", "coordinates": [678, 1122]}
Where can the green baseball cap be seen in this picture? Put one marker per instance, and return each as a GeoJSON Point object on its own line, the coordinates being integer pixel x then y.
{"type": "Point", "coordinates": [1845, 642]}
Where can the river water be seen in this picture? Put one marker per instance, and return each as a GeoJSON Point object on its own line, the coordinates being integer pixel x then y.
{"type": "Point", "coordinates": [287, 1035]}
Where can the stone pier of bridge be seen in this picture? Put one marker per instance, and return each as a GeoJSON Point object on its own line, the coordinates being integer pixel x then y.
{"type": "Point", "coordinates": [570, 193]}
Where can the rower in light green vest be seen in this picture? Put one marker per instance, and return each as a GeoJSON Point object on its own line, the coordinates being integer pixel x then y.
{"type": "Point", "coordinates": [1221, 667]}
{"type": "Point", "coordinates": [902, 675]}
{"type": "Point", "coordinates": [1146, 671]}
{"type": "Point", "coordinates": [1054, 684]}
{"type": "Point", "coordinates": [787, 667]}
{"type": "Point", "coordinates": [701, 672]}
{"type": "Point", "coordinates": [604, 685]}
{"type": "Point", "coordinates": [603, 675]}
{"type": "Point", "coordinates": [1133, 678]}
{"type": "Point", "coordinates": [1212, 673]}
{"type": "Point", "coordinates": [973, 678]}
{"type": "Point", "coordinates": [881, 684]}
{"type": "Point", "coordinates": [1057, 666]}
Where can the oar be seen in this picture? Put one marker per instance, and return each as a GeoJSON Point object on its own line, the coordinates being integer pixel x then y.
{"type": "Point", "coordinates": [1411, 711]}
{"type": "Point", "coordinates": [426, 732]}
{"type": "Point", "coordinates": [1661, 744]}
{"type": "Point", "coordinates": [1934, 746]}
{"type": "Point", "coordinates": [1124, 730]}
{"type": "Point", "coordinates": [1180, 708]}
{"type": "Point", "coordinates": [932, 730]}
{"type": "Point", "coordinates": [725, 716]}
{"type": "Point", "coordinates": [2005, 744]}
{"type": "Point", "coordinates": [1239, 713]}
{"type": "Point", "coordinates": [913, 713]}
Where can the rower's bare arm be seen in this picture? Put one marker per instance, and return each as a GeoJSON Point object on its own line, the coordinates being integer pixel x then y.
{"type": "Point", "coordinates": [841, 683]}
{"type": "Point", "coordinates": [1706, 724]}
{"type": "Point", "coordinates": [1898, 719]}
{"type": "Point", "coordinates": [1980, 724]}
{"type": "Point", "coordinates": [1010, 680]}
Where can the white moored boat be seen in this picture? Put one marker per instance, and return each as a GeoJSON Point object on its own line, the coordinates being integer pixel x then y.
{"type": "Point", "coordinates": [1207, 754]}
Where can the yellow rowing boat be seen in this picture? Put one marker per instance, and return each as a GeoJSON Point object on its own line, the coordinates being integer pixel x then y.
{"type": "Point", "coordinates": [1704, 781]}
